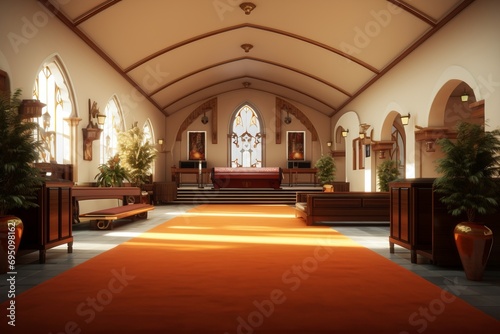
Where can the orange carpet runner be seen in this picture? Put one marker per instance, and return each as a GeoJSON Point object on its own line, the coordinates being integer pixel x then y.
{"type": "Point", "coordinates": [241, 269]}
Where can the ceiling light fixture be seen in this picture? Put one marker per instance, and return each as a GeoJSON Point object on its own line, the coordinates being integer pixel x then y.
{"type": "Point", "coordinates": [247, 7]}
{"type": "Point", "coordinates": [246, 84]}
{"type": "Point", "coordinates": [247, 47]}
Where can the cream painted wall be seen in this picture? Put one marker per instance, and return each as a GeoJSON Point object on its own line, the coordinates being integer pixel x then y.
{"type": "Point", "coordinates": [275, 154]}
{"type": "Point", "coordinates": [30, 36]}
{"type": "Point", "coordinates": [466, 49]}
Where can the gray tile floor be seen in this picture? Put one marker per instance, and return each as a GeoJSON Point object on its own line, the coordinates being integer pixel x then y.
{"type": "Point", "coordinates": [484, 295]}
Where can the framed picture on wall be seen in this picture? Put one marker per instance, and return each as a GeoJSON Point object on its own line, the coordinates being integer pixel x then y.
{"type": "Point", "coordinates": [197, 145]}
{"type": "Point", "coordinates": [296, 145]}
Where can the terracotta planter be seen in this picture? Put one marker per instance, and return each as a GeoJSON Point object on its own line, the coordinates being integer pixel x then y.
{"type": "Point", "coordinates": [328, 188]}
{"type": "Point", "coordinates": [11, 231]}
{"type": "Point", "coordinates": [474, 242]}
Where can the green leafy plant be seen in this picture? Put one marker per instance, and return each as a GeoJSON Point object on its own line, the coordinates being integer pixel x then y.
{"type": "Point", "coordinates": [19, 179]}
{"type": "Point", "coordinates": [326, 169]}
{"type": "Point", "coordinates": [387, 172]}
{"type": "Point", "coordinates": [136, 154]}
{"type": "Point", "coordinates": [112, 174]}
{"type": "Point", "coordinates": [469, 171]}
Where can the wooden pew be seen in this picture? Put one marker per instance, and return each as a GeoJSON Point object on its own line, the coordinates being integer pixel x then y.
{"type": "Point", "coordinates": [343, 207]}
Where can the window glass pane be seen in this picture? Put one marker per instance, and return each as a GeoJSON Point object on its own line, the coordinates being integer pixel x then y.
{"type": "Point", "coordinates": [246, 139]}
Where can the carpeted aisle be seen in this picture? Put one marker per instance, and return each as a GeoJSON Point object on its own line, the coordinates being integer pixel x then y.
{"type": "Point", "coordinates": [242, 269]}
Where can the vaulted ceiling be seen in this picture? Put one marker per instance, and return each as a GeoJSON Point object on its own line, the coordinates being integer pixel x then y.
{"type": "Point", "coordinates": [320, 53]}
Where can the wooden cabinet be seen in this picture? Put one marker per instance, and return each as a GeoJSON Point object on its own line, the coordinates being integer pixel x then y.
{"type": "Point", "coordinates": [164, 192]}
{"type": "Point", "coordinates": [411, 215]}
{"type": "Point", "coordinates": [50, 224]}
{"type": "Point", "coordinates": [420, 223]}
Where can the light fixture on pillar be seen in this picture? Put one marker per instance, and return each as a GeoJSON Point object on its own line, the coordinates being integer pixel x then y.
{"type": "Point", "coordinates": [101, 119]}
{"type": "Point", "coordinates": [31, 108]}
{"type": "Point", "coordinates": [160, 141]}
{"type": "Point", "coordinates": [405, 119]}
{"type": "Point", "coordinates": [92, 131]}
{"type": "Point", "coordinates": [345, 133]}
{"type": "Point", "coordinates": [247, 7]}
{"type": "Point", "coordinates": [204, 119]}
{"type": "Point", "coordinates": [464, 97]}
{"type": "Point", "coordinates": [362, 130]}
{"type": "Point", "coordinates": [287, 119]}
{"type": "Point", "coordinates": [247, 47]}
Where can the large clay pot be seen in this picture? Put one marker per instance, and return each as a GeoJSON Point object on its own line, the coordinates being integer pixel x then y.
{"type": "Point", "coordinates": [328, 188]}
{"type": "Point", "coordinates": [474, 242]}
{"type": "Point", "coordinates": [11, 231]}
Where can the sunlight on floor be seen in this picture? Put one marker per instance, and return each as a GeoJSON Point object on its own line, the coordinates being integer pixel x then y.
{"type": "Point", "coordinates": [333, 240]}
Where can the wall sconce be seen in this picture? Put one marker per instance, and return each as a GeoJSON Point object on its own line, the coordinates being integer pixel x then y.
{"type": "Point", "coordinates": [362, 130]}
{"type": "Point", "coordinates": [345, 133]}
{"type": "Point", "coordinates": [92, 131]}
{"type": "Point", "coordinates": [405, 119]}
{"type": "Point", "coordinates": [31, 108]}
{"type": "Point", "coordinates": [204, 119]}
{"type": "Point", "coordinates": [160, 141]}
{"type": "Point", "coordinates": [329, 144]}
{"type": "Point", "coordinates": [464, 97]}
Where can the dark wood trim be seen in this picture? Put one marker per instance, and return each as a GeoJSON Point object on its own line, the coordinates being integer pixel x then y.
{"type": "Point", "coordinates": [414, 11]}
{"type": "Point", "coordinates": [98, 50]}
{"type": "Point", "coordinates": [94, 11]}
{"type": "Point", "coordinates": [252, 26]}
{"type": "Point", "coordinates": [409, 50]}
{"type": "Point", "coordinates": [245, 77]}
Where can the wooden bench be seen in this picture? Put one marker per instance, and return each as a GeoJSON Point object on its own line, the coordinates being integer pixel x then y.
{"type": "Point", "coordinates": [80, 193]}
{"type": "Point", "coordinates": [339, 207]}
{"type": "Point", "coordinates": [103, 219]}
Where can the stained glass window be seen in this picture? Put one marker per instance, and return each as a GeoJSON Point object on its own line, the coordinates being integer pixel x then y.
{"type": "Point", "coordinates": [246, 139]}
{"type": "Point", "coordinates": [53, 131]}
{"type": "Point", "coordinates": [113, 124]}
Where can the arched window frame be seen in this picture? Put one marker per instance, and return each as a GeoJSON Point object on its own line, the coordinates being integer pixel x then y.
{"type": "Point", "coordinates": [113, 125]}
{"type": "Point", "coordinates": [51, 87]}
{"type": "Point", "coordinates": [246, 138]}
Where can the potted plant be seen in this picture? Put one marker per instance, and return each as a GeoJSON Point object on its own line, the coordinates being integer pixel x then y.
{"type": "Point", "coordinates": [387, 172]}
{"type": "Point", "coordinates": [137, 154]}
{"type": "Point", "coordinates": [326, 172]}
{"type": "Point", "coordinates": [468, 185]}
{"type": "Point", "coordinates": [19, 179]}
{"type": "Point", "coordinates": [111, 174]}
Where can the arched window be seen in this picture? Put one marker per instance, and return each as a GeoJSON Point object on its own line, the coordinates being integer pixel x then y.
{"type": "Point", "coordinates": [246, 138]}
{"type": "Point", "coordinates": [112, 126]}
{"type": "Point", "coordinates": [54, 132]}
{"type": "Point", "coordinates": [148, 137]}
{"type": "Point", "coordinates": [398, 153]}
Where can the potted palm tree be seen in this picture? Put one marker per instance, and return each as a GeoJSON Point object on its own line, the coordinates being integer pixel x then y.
{"type": "Point", "coordinates": [387, 172]}
{"type": "Point", "coordinates": [468, 185]}
{"type": "Point", "coordinates": [19, 179]}
{"type": "Point", "coordinates": [326, 172]}
{"type": "Point", "coordinates": [137, 155]}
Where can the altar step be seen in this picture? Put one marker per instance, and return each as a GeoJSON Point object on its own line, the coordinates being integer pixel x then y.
{"type": "Point", "coordinates": [239, 196]}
